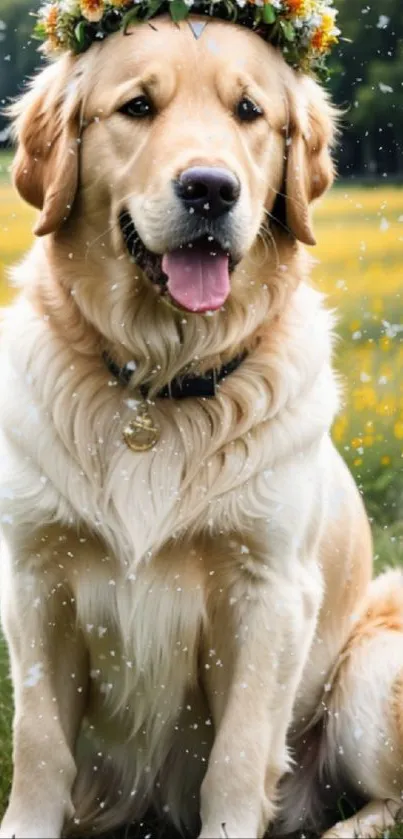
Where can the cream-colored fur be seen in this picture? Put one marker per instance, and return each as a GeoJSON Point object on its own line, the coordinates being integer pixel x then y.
{"type": "Point", "coordinates": [184, 621]}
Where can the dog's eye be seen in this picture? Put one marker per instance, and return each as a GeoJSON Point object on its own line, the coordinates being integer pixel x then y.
{"type": "Point", "coordinates": [138, 108]}
{"type": "Point", "coordinates": [247, 111]}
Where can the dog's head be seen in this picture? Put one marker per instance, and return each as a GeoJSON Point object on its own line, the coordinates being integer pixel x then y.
{"type": "Point", "coordinates": [184, 149]}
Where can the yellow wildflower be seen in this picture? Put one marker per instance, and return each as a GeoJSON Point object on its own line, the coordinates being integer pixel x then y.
{"type": "Point", "coordinates": [385, 460]}
{"type": "Point", "coordinates": [357, 461]}
{"type": "Point", "coordinates": [354, 325]}
{"type": "Point", "coordinates": [368, 440]}
{"type": "Point", "coordinates": [92, 10]}
{"type": "Point", "coordinates": [364, 397]}
{"type": "Point", "coordinates": [387, 406]}
{"type": "Point", "coordinates": [340, 428]}
{"type": "Point", "coordinates": [325, 35]}
{"type": "Point", "coordinates": [398, 429]}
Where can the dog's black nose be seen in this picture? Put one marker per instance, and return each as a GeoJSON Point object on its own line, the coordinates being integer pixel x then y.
{"type": "Point", "coordinates": [208, 190]}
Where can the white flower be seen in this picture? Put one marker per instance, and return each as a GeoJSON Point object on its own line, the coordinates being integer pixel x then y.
{"type": "Point", "coordinates": [70, 7]}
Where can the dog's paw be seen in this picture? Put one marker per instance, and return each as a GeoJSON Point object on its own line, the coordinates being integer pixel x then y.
{"type": "Point", "coordinates": [368, 823]}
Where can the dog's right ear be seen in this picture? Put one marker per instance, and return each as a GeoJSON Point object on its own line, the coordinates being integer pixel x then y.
{"type": "Point", "coordinates": [310, 169]}
{"type": "Point", "coordinates": [45, 168]}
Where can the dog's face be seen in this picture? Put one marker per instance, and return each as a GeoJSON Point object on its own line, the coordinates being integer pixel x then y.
{"type": "Point", "coordinates": [184, 145]}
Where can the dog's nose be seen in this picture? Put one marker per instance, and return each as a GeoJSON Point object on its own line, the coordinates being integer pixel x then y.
{"type": "Point", "coordinates": [208, 190]}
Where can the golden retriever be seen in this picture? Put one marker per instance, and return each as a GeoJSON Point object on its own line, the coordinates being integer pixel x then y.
{"type": "Point", "coordinates": [193, 627]}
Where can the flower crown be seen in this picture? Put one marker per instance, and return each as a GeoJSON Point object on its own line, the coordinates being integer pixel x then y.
{"type": "Point", "coordinates": [304, 30]}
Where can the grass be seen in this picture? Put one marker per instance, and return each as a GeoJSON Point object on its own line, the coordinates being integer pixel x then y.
{"type": "Point", "coordinates": [5, 163]}
{"type": "Point", "coordinates": [360, 267]}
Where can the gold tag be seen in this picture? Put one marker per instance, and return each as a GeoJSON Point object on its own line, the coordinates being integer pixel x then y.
{"type": "Point", "coordinates": [141, 433]}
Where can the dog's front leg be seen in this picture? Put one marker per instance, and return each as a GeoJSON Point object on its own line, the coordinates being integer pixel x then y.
{"type": "Point", "coordinates": [49, 672]}
{"type": "Point", "coordinates": [260, 628]}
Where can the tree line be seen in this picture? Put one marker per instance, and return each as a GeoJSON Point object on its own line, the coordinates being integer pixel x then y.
{"type": "Point", "coordinates": [366, 79]}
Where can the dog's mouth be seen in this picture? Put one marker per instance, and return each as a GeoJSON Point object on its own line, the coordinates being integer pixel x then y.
{"type": "Point", "coordinates": [194, 276]}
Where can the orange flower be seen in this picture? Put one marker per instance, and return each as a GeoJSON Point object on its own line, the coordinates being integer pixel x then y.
{"type": "Point", "coordinates": [326, 34]}
{"type": "Point", "coordinates": [92, 10]}
{"type": "Point", "coordinates": [51, 21]}
{"type": "Point", "coordinates": [300, 8]}
{"type": "Point", "coordinates": [296, 7]}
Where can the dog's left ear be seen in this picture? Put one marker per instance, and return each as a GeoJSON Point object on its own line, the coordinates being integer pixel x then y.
{"type": "Point", "coordinates": [45, 167]}
{"type": "Point", "coordinates": [309, 166]}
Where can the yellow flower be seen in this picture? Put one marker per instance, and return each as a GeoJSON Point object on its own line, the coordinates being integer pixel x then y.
{"type": "Point", "coordinates": [92, 10]}
{"type": "Point", "coordinates": [385, 460]}
{"type": "Point", "coordinates": [355, 324]}
{"type": "Point", "coordinates": [385, 343]}
{"type": "Point", "coordinates": [356, 442]}
{"type": "Point", "coordinates": [364, 397]}
{"type": "Point", "coordinates": [368, 440]}
{"type": "Point", "coordinates": [326, 34]}
{"type": "Point", "coordinates": [340, 428]}
{"type": "Point", "coordinates": [387, 406]}
{"type": "Point", "coordinates": [398, 429]}
{"type": "Point", "coordinates": [357, 461]}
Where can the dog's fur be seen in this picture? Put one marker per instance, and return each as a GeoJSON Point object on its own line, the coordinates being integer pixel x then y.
{"type": "Point", "coordinates": [190, 625]}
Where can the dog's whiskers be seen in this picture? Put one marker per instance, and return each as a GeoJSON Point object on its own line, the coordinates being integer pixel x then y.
{"type": "Point", "coordinates": [273, 218]}
{"type": "Point", "coordinates": [267, 238]}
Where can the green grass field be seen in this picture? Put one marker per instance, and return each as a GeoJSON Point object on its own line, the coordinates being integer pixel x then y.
{"type": "Point", "coordinates": [360, 267]}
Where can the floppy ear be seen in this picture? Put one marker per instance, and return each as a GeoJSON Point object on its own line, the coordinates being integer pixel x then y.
{"type": "Point", "coordinates": [45, 168]}
{"type": "Point", "coordinates": [309, 168]}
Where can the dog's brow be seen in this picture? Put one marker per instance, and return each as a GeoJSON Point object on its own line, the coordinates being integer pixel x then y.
{"type": "Point", "coordinates": [152, 82]}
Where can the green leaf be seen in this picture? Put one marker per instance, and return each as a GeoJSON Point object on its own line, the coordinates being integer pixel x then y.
{"type": "Point", "coordinates": [258, 15]}
{"type": "Point", "coordinates": [287, 30]}
{"type": "Point", "coordinates": [39, 32]}
{"type": "Point", "coordinates": [178, 10]}
{"type": "Point", "coordinates": [131, 17]}
{"type": "Point", "coordinates": [269, 15]}
{"type": "Point", "coordinates": [383, 480]}
{"type": "Point", "coordinates": [152, 9]}
{"type": "Point", "coordinates": [79, 32]}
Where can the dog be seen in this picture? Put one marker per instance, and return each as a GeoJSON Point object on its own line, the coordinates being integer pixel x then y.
{"type": "Point", "coordinates": [185, 582]}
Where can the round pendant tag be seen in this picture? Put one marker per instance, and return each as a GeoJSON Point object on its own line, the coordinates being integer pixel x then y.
{"type": "Point", "coordinates": [141, 433]}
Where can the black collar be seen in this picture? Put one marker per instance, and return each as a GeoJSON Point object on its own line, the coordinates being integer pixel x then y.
{"type": "Point", "coordinates": [181, 387]}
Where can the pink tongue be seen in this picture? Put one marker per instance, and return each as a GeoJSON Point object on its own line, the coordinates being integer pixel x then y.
{"type": "Point", "coordinates": [198, 279]}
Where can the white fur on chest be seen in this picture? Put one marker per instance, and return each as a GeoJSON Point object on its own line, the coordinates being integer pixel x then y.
{"type": "Point", "coordinates": [63, 456]}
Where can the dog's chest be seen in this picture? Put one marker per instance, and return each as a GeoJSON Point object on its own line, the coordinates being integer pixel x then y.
{"type": "Point", "coordinates": [143, 632]}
